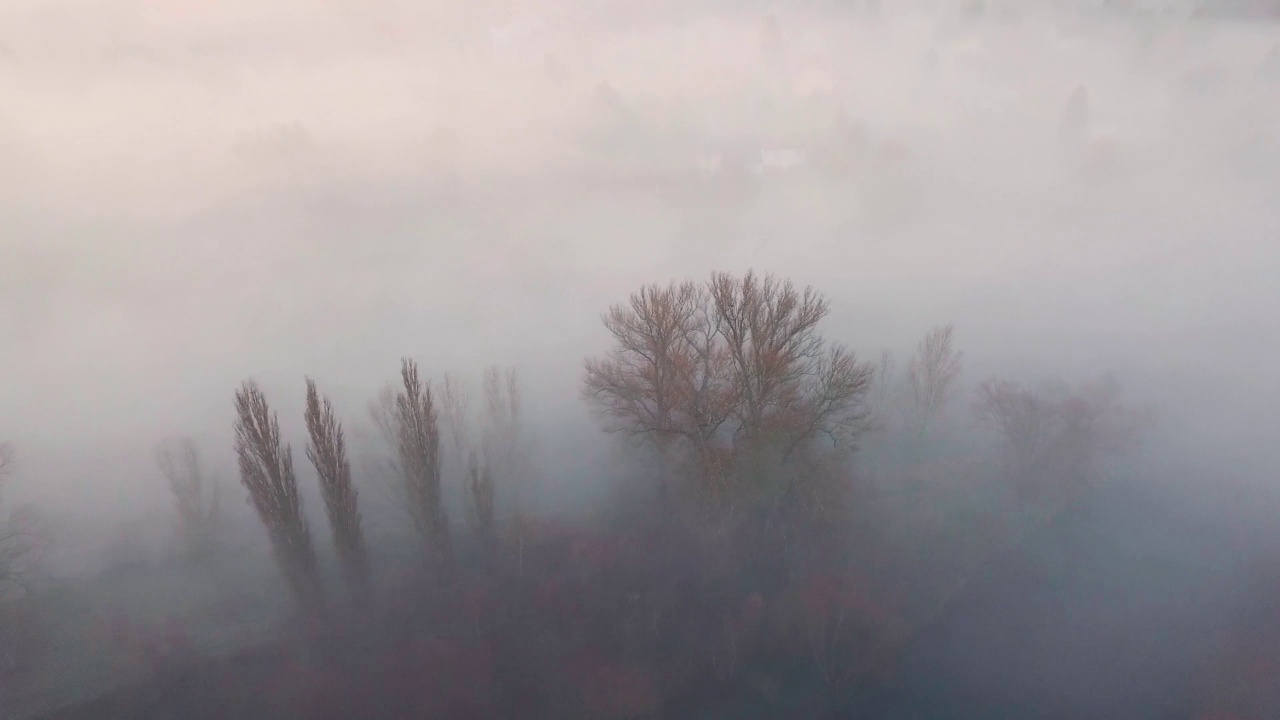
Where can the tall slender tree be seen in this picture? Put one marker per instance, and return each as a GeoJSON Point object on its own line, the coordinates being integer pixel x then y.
{"type": "Point", "coordinates": [195, 494]}
{"type": "Point", "coordinates": [327, 451]}
{"type": "Point", "coordinates": [266, 471]}
{"type": "Point", "coordinates": [931, 376]}
{"type": "Point", "coordinates": [410, 421]}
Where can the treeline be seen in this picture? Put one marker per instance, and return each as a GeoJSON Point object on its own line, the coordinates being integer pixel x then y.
{"type": "Point", "coordinates": [416, 421]}
{"type": "Point", "coordinates": [742, 551]}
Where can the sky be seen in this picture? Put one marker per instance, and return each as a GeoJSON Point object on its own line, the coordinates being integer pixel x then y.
{"type": "Point", "coordinates": [193, 193]}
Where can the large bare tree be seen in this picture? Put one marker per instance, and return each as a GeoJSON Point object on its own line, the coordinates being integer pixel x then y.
{"type": "Point", "coordinates": [327, 451]}
{"type": "Point", "coordinates": [727, 371]}
{"type": "Point", "coordinates": [195, 494]}
{"type": "Point", "coordinates": [266, 471]}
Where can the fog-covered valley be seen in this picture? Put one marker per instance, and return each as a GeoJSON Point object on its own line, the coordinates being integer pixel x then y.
{"type": "Point", "coordinates": [197, 194]}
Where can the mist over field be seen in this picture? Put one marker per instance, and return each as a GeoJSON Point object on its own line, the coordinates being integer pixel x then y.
{"type": "Point", "coordinates": [195, 194]}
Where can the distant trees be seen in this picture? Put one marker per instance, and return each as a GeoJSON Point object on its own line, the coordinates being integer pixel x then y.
{"type": "Point", "coordinates": [1022, 417]}
{"type": "Point", "coordinates": [481, 498]}
{"type": "Point", "coordinates": [504, 445]}
{"type": "Point", "coordinates": [266, 471]}
{"type": "Point", "coordinates": [881, 398]}
{"type": "Point", "coordinates": [494, 459]}
{"type": "Point", "coordinates": [502, 440]}
{"type": "Point", "coordinates": [1054, 438]}
{"type": "Point", "coordinates": [435, 436]}
{"type": "Point", "coordinates": [195, 495]}
{"type": "Point", "coordinates": [931, 376]}
{"type": "Point", "coordinates": [6, 460]}
{"type": "Point", "coordinates": [11, 546]}
{"type": "Point", "coordinates": [732, 375]}
{"type": "Point", "coordinates": [327, 451]}
{"type": "Point", "coordinates": [22, 535]}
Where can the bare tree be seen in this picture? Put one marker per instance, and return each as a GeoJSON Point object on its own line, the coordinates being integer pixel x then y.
{"type": "Point", "coordinates": [931, 375]}
{"type": "Point", "coordinates": [266, 471]}
{"type": "Point", "coordinates": [480, 502]}
{"type": "Point", "coordinates": [20, 538]}
{"type": "Point", "coordinates": [494, 458]}
{"type": "Point", "coordinates": [881, 398]}
{"type": "Point", "coordinates": [411, 422]}
{"type": "Point", "coordinates": [500, 452]}
{"type": "Point", "coordinates": [1022, 417]}
{"type": "Point", "coordinates": [6, 462]}
{"type": "Point", "coordinates": [666, 379]}
{"type": "Point", "coordinates": [790, 385]}
{"type": "Point", "coordinates": [195, 494]}
{"type": "Point", "coordinates": [455, 404]}
{"type": "Point", "coordinates": [327, 451]}
{"type": "Point", "coordinates": [733, 370]}
{"type": "Point", "coordinates": [24, 533]}
{"type": "Point", "coordinates": [1093, 423]}
{"type": "Point", "coordinates": [1053, 440]}
{"type": "Point", "coordinates": [641, 386]}
{"type": "Point", "coordinates": [474, 467]}
{"type": "Point", "coordinates": [501, 444]}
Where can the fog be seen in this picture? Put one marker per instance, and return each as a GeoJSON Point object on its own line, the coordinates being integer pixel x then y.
{"type": "Point", "coordinates": [199, 193]}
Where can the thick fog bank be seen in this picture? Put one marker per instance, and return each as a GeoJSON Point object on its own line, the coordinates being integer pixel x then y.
{"type": "Point", "coordinates": [196, 194]}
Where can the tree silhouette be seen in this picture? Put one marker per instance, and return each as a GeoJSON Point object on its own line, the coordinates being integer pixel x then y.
{"type": "Point", "coordinates": [266, 471]}
{"type": "Point", "coordinates": [731, 375]}
{"type": "Point", "coordinates": [931, 375]}
{"type": "Point", "coordinates": [195, 495]}
{"type": "Point", "coordinates": [327, 451]}
{"type": "Point", "coordinates": [409, 420]}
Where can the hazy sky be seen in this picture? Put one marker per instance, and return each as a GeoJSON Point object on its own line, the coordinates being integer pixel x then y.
{"type": "Point", "coordinates": [195, 192]}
